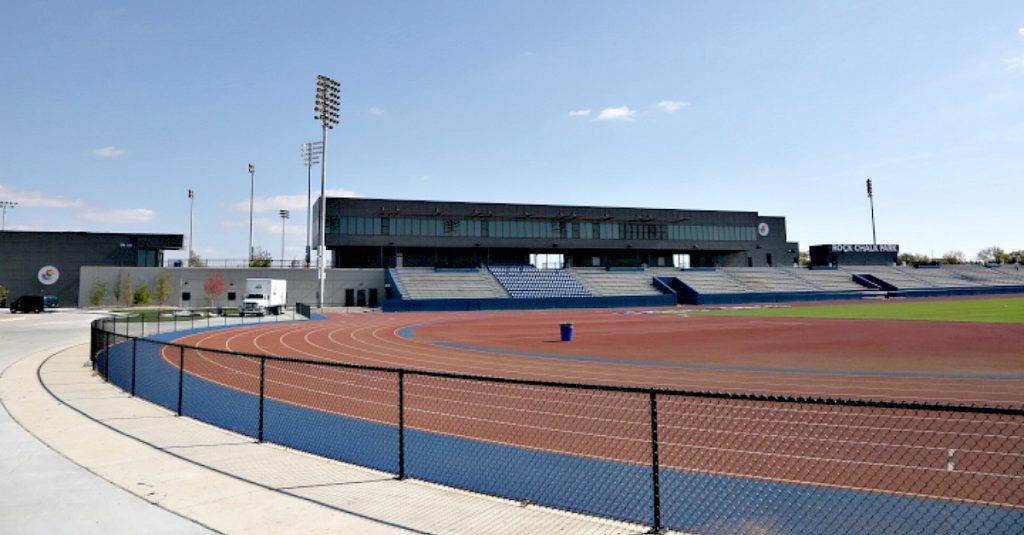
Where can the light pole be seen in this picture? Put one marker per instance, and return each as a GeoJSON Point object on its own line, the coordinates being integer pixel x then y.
{"type": "Point", "coordinates": [191, 205]}
{"type": "Point", "coordinates": [871, 199]}
{"type": "Point", "coordinates": [310, 155]}
{"type": "Point", "coordinates": [5, 205]}
{"type": "Point", "coordinates": [252, 189]}
{"type": "Point", "coordinates": [284, 216]}
{"type": "Point", "coordinates": [327, 107]}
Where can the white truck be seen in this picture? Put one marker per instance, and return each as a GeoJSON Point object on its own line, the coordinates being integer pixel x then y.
{"type": "Point", "coordinates": [262, 296]}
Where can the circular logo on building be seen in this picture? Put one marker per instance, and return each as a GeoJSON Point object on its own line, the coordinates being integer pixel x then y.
{"type": "Point", "coordinates": [763, 229]}
{"type": "Point", "coordinates": [48, 275]}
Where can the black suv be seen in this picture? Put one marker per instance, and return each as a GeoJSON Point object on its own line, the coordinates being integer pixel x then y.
{"type": "Point", "coordinates": [28, 303]}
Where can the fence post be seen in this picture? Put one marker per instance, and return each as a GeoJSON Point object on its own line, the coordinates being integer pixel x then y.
{"type": "Point", "coordinates": [181, 375]}
{"type": "Point", "coordinates": [142, 317]}
{"type": "Point", "coordinates": [263, 380]}
{"type": "Point", "coordinates": [134, 342]}
{"type": "Point", "coordinates": [655, 464]}
{"type": "Point", "coordinates": [158, 314]}
{"type": "Point", "coordinates": [106, 357]}
{"type": "Point", "coordinates": [401, 424]}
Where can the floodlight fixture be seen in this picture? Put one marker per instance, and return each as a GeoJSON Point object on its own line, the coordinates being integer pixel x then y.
{"type": "Point", "coordinates": [327, 106]}
{"type": "Point", "coordinates": [4, 205]}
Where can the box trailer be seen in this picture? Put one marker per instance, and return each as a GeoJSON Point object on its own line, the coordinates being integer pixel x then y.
{"type": "Point", "coordinates": [263, 296]}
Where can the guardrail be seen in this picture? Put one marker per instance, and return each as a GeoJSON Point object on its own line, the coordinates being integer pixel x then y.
{"type": "Point", "coordinates": [700, 462]}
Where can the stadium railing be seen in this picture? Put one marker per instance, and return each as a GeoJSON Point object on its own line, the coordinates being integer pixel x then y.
{"type": "Point", "coordinates": [700, 462]}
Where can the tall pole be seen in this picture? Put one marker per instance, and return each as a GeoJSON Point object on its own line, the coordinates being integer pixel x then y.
{"type": "Point", "coordinates": [5, 205]}
{"type": "Point", "coordinates": [252, 190]}
{"type": "Point", "coordinates": [284, 216]}
{"type": "Point", "coordinates": [327, 107]}
{"type": "Point", "coordinates": [192, 201]}
{"type": "Point", "coordinates": [310, 155]}
{"type": "Point", "coordinates": [871, 199]}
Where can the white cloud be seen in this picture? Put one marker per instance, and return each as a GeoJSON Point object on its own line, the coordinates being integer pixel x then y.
{"type": "Point", "coordinates": [287, 202]}
{"type": "Point", "coordinates": [1020, 31]}
{"type": "Point", "coordinates": [424, 178]}
{"type": "Point", "coordinates": [36, 199]}
{"type": "Point", "coordinates": [118, 215]}
{"type": "Point", "coordinates": [109, 152]}
{"type": "Point", "coordinates": [579, 113]}
{"type": "Point", "coordinates": [625, 113]}
{"type": "Point", "coordinates": [671, 106]}
{"type": "Point", "coordinates": [376, 110]}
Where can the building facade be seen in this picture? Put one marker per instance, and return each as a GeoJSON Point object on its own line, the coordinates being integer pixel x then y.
{"type": "Point", "coordinates": [364, 233]}
{"type": "Point", "coordinates": [49, 263]}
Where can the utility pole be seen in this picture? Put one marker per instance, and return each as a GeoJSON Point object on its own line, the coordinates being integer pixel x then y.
{"type": "Point", "coordinates": [327, 108]}
{"type": "Point", "coordinates": [310, 155]}
{"type": "Point", "coordinates": [284, 216]}
{"type": "Point", "coordinates": [191, 205]}
{"type": "Point", "coordinates": [4, 205]}
{"type": "Point", "coordinates": [871, 199]}
{"type": "Point", "coordinates": [252, 190]}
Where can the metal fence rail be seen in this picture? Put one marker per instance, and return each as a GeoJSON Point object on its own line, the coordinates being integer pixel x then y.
{"type": "Point", "coordinates": [699, 462]}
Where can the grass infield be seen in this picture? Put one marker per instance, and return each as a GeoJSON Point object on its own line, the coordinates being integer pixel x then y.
{"type": "Point", "coordinates": [970, 310]}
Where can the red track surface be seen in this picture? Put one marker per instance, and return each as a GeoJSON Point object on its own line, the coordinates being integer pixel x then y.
{"type": "Point", "coordinates": [898, 451]}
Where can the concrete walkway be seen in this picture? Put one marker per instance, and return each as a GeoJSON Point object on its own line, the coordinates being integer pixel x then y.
{"type": "Point", "coordinates": [231, 484]}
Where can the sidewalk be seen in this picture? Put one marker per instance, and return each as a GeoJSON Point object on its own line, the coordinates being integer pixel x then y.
{"type": "Point", "coordinates": [231, 484]}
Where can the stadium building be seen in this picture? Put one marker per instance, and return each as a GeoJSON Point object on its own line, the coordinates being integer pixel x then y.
{"type": "Point", "coordinates": [380, 233]}
{"type": "Point", "coordinates": [49, 263]}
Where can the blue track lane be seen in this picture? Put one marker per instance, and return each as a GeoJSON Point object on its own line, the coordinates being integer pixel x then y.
{"type": "Point", "coordinates": [699, 503]}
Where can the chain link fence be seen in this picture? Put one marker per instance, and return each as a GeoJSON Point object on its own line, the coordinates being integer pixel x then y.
{"type": "Point", "coordinates": [697, 462]}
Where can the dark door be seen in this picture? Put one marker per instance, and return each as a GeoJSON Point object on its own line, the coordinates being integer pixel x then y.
{"type": "Point", "coordinates": [373, 297]}
{"type": "Point", "coordinates": [350, 297]}
{"type": "Point", "coordinates": [361, 298]}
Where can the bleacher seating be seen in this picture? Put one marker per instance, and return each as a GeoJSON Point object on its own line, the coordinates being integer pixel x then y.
{"type": "Point", "coordinates": [602, 282]}
{"type": "Point", "coordinates": [831, 280]}
{"type": "Point", "coordinates": [710, 282]}
{"type": "Point", "coordinates": [893, 275]}
{"type": "Point", "coordinates": [530, 282]}
{"type": "Point", "coordinates": [769, 280]}
{"type": "Point", "coordinates": [986, 276]}
{"type": "Point", "coordinates": [428, 283]}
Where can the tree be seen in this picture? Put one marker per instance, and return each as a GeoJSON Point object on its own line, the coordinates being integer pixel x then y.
{"type": "Point", "coordinates": [142, 296]}
{"type": "Point", "coordinates": [195, 260]}
{"type": "Point", "coordinates": [3, 295]}
{"type": "Point", "coordinates": [912, 259]}
{"type": "Point", "coordinates": [805, 258]}
{"type": "Point", "coordinates": [98, 293]}
{"type": "Point", "coordinates": [118, 285]}
{"type": "Point", "coordinates": [163, 287]}
{"type": "Point", "coordinates": [954, 257]}
{"type": "Point", "coordinates": [125, 290]}
{"type": "Point", "coordinates": [991, 255]}
{"type": "Point", "coordinates": [260, 258]}
{"type": "Point", "coordinates": [1015, 257]}
{"type": "Point", "coordinates": [213, 287]}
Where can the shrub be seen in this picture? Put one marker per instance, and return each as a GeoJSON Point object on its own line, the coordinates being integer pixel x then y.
{"type": "Point", "coordinates": [142, 296]}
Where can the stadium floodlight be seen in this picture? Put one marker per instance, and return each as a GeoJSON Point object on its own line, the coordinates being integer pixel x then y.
{"type": "Point", "coordinates": [284, 216]}
{"type": "Point", "coordinates": [5, 205]}
{"type": "Point", "coordinates": [327, 108]}
{"type": "Point", "coordinates": [871, 199]}
{"type": "Point", "coordinates": [310, 156]}
{"type": "Point", "coordinates": [191, 201]}
{"type": "Point", "coordinates": [252, 189]}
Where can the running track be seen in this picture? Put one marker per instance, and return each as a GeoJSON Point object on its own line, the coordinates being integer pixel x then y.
{"type": "Point", "coordinates": [902, 452]}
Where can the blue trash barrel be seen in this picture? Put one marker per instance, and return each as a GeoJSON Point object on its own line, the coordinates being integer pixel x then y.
{"type": "Point", "coordinates": [567, 332]}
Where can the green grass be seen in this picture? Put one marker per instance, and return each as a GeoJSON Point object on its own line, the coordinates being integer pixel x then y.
{"type": "Point", "coordinates": [972, 310]}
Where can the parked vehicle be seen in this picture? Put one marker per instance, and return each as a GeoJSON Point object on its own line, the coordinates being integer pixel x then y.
{"type": "Point", "coordinates": [50, 301]}
{"type": "Point", "coordinates": [28, 303]}
{"type": "Point", "coordinates": [263, 296]}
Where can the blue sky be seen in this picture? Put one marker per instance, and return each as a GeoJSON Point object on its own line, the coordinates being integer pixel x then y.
{"type": "Point", "coordinates": [110, 111]}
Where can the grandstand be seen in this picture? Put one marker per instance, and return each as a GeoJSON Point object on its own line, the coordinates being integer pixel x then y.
{"type": "Point", "coordinates": [427, 283]}
{"type": "Point", "coordinates": [527, 281]}
{"type": "Point", "coordinates": [617, 283]}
